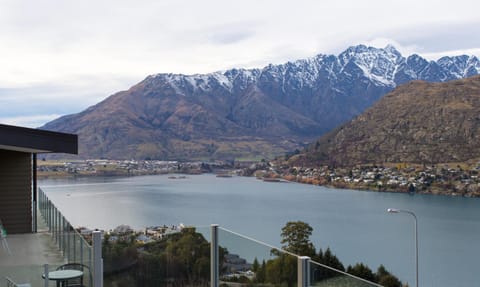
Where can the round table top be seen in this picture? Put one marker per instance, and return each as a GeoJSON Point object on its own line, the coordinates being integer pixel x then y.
{"type": "Point", "coordinates": [64, 274]}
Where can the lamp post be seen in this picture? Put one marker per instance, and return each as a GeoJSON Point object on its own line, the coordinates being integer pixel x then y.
{"type": "Point", "coordinates": [393, 210]}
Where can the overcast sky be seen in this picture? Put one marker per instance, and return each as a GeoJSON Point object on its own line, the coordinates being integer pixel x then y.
{"type": "Point", "coordinates": [59, 57]}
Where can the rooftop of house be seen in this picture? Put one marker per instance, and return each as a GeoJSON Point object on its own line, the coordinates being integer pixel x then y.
{"type": "Point", "coordinates": [36, 141]}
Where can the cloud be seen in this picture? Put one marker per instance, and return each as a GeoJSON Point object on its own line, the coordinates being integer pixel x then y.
{"type": "Point", "coordinates": [230, 33]}
{"type": "Point", "coordinates": [439, 38]}
{"type": "Point", "coordinates": [405, 50]}
{"type": "Point", "coordinates": [59, 98]}
{"type": "Point", "coordinates": [60, 56]}
{"type": "Point", "coordinates": [30, 121]}
{"type": "Point", "coordinates": [438, 55]}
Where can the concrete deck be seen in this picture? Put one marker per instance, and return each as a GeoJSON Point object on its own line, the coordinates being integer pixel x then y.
{"type": "Point", "coordinates": [29, 253]}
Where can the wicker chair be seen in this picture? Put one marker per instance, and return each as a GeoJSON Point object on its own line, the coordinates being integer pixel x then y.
{"type": "Point", "coordinates": [3, 238]}
{"type": "Point", "coordinates": [11, 283]}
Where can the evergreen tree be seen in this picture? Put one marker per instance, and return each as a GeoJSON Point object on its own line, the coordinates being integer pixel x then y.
{"type": "Point", "coordinates": [382, 271]}
{"type": "Point", "coordinates": [389, 281]}
{"type": "Point", "coordinates": [255, 265]}
{"type": "Point", "coordinates": [362, 271]}
{"type": "Point", "coordinates": [260, 275]}
{"type": "Point", "coordinates": [386, 279]}
{"type": "Point", "coordinates": [331, 260]}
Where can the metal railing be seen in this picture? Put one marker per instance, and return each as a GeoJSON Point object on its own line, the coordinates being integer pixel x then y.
{"type": "Point", "coordinates": [179, 259]}
{"type": "Point", "coordinates": [234, 258]}
{"type": "Point", "coordinates": [273, 266]}
{"type": "Point", "coordinates": [74, 246]}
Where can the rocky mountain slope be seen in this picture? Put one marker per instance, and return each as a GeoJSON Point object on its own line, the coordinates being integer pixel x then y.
{"type": "Point", "coordinates": [248, 113]}
{"type": "Point", "coordinates": [418, 122]}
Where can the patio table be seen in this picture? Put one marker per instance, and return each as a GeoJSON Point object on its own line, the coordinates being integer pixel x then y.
{"type": "Point", "coordinates": [62, 276]}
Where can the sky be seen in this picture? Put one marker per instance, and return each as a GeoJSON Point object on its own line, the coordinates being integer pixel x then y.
{"type": "Point", "coordinates": [60, 57]}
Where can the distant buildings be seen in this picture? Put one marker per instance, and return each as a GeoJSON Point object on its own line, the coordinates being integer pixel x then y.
{"type": "Point", "coordinates": [434, 179]}
{"type": "Point", "coordinates": [126, 233]}
{"type": "Point", "coordinates": [103, 167]}
{"type": "Point", "coordinates": [235, 264]}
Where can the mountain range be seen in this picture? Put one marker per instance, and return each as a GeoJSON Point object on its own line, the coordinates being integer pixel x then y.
{"type": "Point", "coordinates": [249, 113]}
{"type": "Point", "coordinates": [419, 122]}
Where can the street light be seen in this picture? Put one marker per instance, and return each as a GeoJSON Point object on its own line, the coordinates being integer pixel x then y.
{"type": "Point", "coordinates": [393, 210]}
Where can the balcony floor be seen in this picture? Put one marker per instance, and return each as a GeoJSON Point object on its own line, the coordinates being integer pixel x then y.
{"type": "Point", "coordinates": [29, 253]}
{"type": "Point", "coordinates": [30, 249]}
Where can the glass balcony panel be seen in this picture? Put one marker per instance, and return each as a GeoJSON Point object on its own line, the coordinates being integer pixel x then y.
{"type": "Point", "coordinates": [164, 256]}
{"type": "Point", "coordinates": [202, 252]}
{"type": "Point", "coordinates": [247, 261]}
{"type": "Point", "coordinates": [325, 276]}
{"type": "Point", "coordinates": [74, 247]}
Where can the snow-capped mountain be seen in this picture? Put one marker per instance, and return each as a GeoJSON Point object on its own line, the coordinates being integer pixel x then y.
{"type": "Point", "coordinates": [385, 67]}
{"type": "Point", "coordinates": [278, 108]}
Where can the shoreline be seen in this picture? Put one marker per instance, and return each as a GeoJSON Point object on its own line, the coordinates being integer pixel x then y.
{"type": "Point", "coordinates": [372, 188]}
{"type": "Point", "coordinates": [369, 189]}
{"type": "Point", "coordinates": [269, 178]}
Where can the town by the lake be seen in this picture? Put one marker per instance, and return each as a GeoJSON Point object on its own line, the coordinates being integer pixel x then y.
{"type": "Point", "coordinates": [445, 179]}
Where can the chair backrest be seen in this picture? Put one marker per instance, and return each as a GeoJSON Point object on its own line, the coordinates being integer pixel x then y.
{"type": "Point", "coordinates": [3, 231]}
{"type": "Point", "coordinates": [72, 266]}
{"type": "Point", "coordinates": [10, 282]}
{"type": "Point", "coordinates": [3, 238]}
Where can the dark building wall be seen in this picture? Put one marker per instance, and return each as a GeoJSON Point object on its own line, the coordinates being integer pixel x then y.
{"type": "Point", "coordinates": [16, 191]}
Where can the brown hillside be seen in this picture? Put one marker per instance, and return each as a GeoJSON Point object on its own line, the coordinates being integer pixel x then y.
{"type": "Point", "coordinates": [418, 122]}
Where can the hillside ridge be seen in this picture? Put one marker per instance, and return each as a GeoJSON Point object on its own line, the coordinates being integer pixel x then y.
{"type": "Point", "coordinates": [419, 122]}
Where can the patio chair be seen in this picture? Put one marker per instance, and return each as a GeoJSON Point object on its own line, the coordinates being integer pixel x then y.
{"type": "Point", "coordinates": [3, 238]}
{"type": "Point", "coordinates": [11, 283]}
{"type": "Point", "coordinates": [76, 266]}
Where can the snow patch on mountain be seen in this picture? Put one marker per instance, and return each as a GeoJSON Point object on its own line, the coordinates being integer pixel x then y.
{"type": "Point", "coordinates": [381, 66]}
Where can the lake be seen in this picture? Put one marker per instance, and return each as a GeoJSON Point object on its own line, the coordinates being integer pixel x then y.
{"type": "Point", "coordinates": [354, 224]}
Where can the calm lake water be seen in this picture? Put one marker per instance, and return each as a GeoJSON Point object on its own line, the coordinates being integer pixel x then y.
{"type": "Point", "coordinates": [354, 224]}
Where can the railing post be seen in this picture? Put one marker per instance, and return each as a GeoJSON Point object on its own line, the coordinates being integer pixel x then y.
{"type": "Point", "coordinates": [55, 224]}
{"type": "Point", "coordinates": [62, 233]}
{"type": "Point", "coordinates": [45, 273]}
{"type": "Point", "coordinates": [74, 241]}
{"type": "Point", "coordinates": [49, 210]}
{"type": "Point", "coordinates": [303, 277]}
{"type": "Point", "coordinates": [214, 262]}
{"type": "Point", "coordinates": [81, 250]}
{"type": "Point", "coordinates": [57, 227]}
{"type": "Point", "coordinates": [50, 216]}
{"type": "Point", "coordinates": [69, 247]}
{"type": "Point", "coordinates": [97, 259]}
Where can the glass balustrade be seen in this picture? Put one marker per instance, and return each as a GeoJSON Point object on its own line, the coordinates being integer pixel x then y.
{"type": "Point", "coordinates": [180, 256]}
{"type": "Point", "coordinates": [158, 256]}
{"type": "Point", "coordinates": [324, 276]}
{"type": "Point", "coordinates": [73, 245]}
{"type": "Point", "coordinates": [248, 261]}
